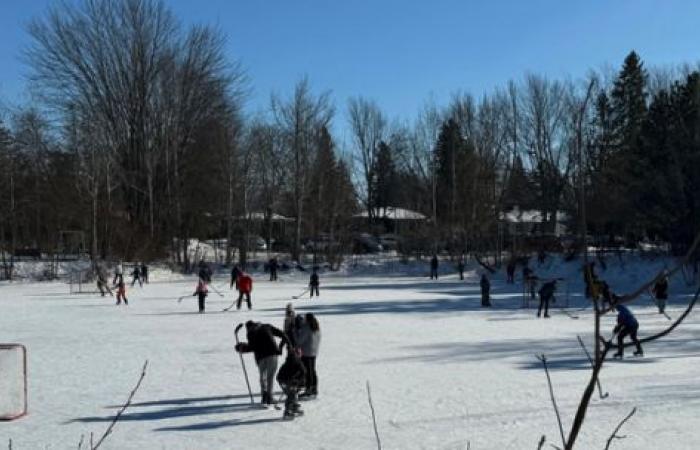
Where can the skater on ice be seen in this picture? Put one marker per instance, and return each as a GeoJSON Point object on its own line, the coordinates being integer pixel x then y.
{"type": "Point", "coordinates": [136, 276]}
{"type": "Point", "coordinates": [485, 290]}
{"type": "Point", "coordinates": [118, 273]}
{"type": "Point", "coordinates": [245, 287]}
{"type": "Point", "coordinates": [201, 291]}
{"type": "Point", "coordinates": [144, 273]}
{"type": "Point", "coordinates": [546, 295]}
{"type": "Point", "coordinates": [461, 264]}
{"type": "Point", "coordinates": [273, 266]}
{"type": "Point", "coordinates": [121, 291]}
{"type": "Point", "coordinates": [434, 267]}
{"type": "Point", "coordinates": [261, 341]}
{"type": "Point", "coordinates": [289, 324]}
{"type": "Point", "coordinates": [627, 325]}
{"type": "Point", "coordinates": [204, 271]}
{"type": "Point", "coordinates": [235, 273]}
{"type": "Point", "coordinates": [314, 282]}
{"type": "Point", "coordinates": [102, 285]}
{"type": "Point", "coordinates": [660, 291]}
{"type": "Point", "coordinates": [510, 272]}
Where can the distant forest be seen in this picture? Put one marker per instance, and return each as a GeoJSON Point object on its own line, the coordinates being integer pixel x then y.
{"type": "Point", "coordinates": [139, 139]}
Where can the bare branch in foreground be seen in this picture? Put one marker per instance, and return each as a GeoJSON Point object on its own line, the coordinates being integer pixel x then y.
{"type": "Point", "coordinates": [543, 358]}
{"type": "Point", "coordinates": [374, 418]}
{"type": "Point", "coordinates": [590, 360]}
{"type": "Point", "coordinates": [614, 433]}
{"type": "Point", "coordinates": [121, 411]}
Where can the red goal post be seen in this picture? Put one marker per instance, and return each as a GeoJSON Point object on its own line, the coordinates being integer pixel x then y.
{"type": "Point", "coordinates": [13, 381]}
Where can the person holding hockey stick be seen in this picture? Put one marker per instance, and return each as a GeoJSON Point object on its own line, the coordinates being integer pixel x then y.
{"type": "Point", "coordinates": [261, 341]}
{"type": "Point", "coordinates": [245, 287]}
{"type": "Point", "coordinates": [308, 341]}
{"type": "Point", "coordinates": [201, 291]}
{"type": "Point", "coordinates": [314, 283]}
{"type": "Point", "coordinates": [291, 378]}
{"type": "Point", "coordinates": [102, 282]}
{"type": "Point", "coordinates": [660, 291]}
{"type": "Point", "coordinates": [627, 325]}
{"type": "Point", "coordinates": [546, 295]}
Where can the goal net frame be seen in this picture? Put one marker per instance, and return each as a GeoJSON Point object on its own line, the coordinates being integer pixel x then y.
{"type": "Point", "coordinates": [82, 282]}
{"type": "Point", "coordinates": [23, 379]}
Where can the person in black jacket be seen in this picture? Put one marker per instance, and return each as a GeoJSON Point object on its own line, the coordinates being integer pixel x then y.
{"type": "Point", "coordinates": [235, 273]}
{"type": "Point", "coordinates": [291, 378]}
{"type": "Point", "coordinates": [660, 291]}
{"type": "Point", "coordinates": [144, 273]}
{"type": "Point", "coordinates": [461, 264]}
{"type": "Point", "coordinates": [261, 341]}
{"type": "Point", "coordinates": [546, 294]}
{"type": "Point", "coordinates": [314, 283]}
{"type": "Point", "coordinates": [434, 267]}
{"type": "Point", "coordinates": [273, 265]}
{"type": "Point", "coordinates": [485, 291]}
{"type": "Point", "coordinates": [136, 275]}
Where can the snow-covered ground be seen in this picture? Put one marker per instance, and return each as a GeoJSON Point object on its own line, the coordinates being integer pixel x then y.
{"type": "Point", "coordinates": [443, 371]}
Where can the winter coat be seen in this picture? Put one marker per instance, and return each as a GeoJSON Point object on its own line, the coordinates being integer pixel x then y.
{"type": "Point", "coordinates": [547, 290]}
{"type": "Point", "coordinates": [261, 341]}
{"type": "Point", "coordinates": [307, 340]}
{"type": "Point", "coordinates": [485, 284]}
{"type": "Point", "coordinates": [245, 283]}
{"type": "Point", "coordinates": [136, 273]}
{"type": "Point", "coordinates": [434, 263]}
{"type": "Point", "coordinates": [201, 288]}
{"type": "Point", "coordinates": [314, 281]}
{"type": "Point", "coordinates": [292, 372]}
{"type": "Point", "coordinates": [625, 318]}
{"type": "Point", "coordinates": [661, 289]}
{"type": "Point", "coordinates": [288, 328]}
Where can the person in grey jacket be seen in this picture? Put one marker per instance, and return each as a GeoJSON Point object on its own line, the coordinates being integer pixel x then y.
{"type": "Point", "coordinates": [308, 341]}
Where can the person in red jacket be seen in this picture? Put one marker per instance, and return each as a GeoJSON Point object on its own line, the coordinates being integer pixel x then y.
{"type": "Point", "coordinates": [245, 287]}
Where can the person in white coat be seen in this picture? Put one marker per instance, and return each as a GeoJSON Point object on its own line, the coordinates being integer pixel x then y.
{"type": "Point", "coordinates": [308, 341]}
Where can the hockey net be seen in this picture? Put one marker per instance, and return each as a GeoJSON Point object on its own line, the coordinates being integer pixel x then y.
{"type": "Point", "coordinates": [13, 381]}
{"type": "Point", "coordinates": [83, 282]}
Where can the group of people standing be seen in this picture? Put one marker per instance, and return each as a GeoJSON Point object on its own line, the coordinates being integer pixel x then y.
{"type": "Point", "coordinates": [301, 335]}
{"type": "Point", "coordinates": [140, 274]}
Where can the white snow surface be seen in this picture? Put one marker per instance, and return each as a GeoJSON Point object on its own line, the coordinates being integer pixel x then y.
{"type": "Point", "coordinates": [444, 373]}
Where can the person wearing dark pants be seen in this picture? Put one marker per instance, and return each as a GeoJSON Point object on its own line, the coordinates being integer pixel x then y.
{"type": "Point", "coordinates": [235, 273]}
{"type": "Point", "coordinates": [201, 292]}
{"type": "Point", "coordinates": [627, 325]}
{"type": "Point", "coordinates": [434, 267]}
{"type": "Point", "coordinates": [245, 287]}
{"type": "Point", "coordinates": [660, 291]}
{"type": "Point", "coordinates": [136, 274]}
{"type": "Point", "coordinates": [546, 294]}
{"type": "Point", "coordinates": [461, 264]}
{"type": "Point", "coordinates": [273, 265]}
{"type": "Point", "coordinates": [291, 378]}
{"type": "Point", "coordinates": [510, 271]}
{"type": "Point", "coordinates": [485, 291]}
{"type": "Point", "coordinates": [314, 283]}
{"type": "Point", "coordinates": [308, 341]}
{"type": "Point", "coordinates": [261, 341]}
{"type": "Point", "coordinates": [144, 273]}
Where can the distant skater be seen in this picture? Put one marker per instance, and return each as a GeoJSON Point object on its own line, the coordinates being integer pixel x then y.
{"type": "Point", "coordinates": [434, 267]}
{"type": "Point", "coordinates": [235, 273]}
{"type": "Point", "coordinates": [314, 283]}
{"type": "Point", "coordinates": [485, 291]}
{"type": "Point", "coordinates": [121, 292]}
{"type": "Point", "coordinates": [102, 283]}
{"type": "Point", "coordinates": [510, 272]}
{"type": "Point", "coordinates": [273, 265]}
{"type": "Point", "coordinates": [660, 291]}
{"type": "Point", "coordinates": [461, 264]}
{"type": "Point", "coordinates": [136, 276]}
{"type": "Point", "coordinates": [118, 273]}
{"type": "Point", "coordinates": [201, 291]}
{"type": "Point", "coordinates": [144, 273]}
{"type": "Point", "coordinates": [546, 295]}
{"type": "Point", "coordinates": [245, 287]}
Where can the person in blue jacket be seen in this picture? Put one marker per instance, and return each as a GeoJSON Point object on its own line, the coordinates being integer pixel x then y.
{"type": "Point", "coordinates": [627, 325]}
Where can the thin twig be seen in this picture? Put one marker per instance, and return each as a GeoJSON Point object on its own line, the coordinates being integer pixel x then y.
{"type": "Point", "coordinates": [543, 358]}
{"type": "Point", "coordinates": [374, 418]}
{"type": "Point", "coordinates": [543, 439]}
{"type": "Point", "coordinates": [590, 360]}
{"type": "Point", "coordinates": [80, 444]}
{"type": "Point", "coordinates": [121, 411]}
{"type": "Point", "coordinates": [614, 433]}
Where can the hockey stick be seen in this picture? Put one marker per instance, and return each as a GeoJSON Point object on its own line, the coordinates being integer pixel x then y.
{"type": "Point", "coordinates": [180, 299]}
{"type": "Point", "coordinates": [216, 290]}
{"type": "Point", "coordinates": [228, 308]}
{"type": "Point", "coordinates": [245, 372]}
{"type": "Point", "coordinates": [297, 296]}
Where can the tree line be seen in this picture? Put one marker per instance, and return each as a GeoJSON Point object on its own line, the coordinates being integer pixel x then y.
{"type": "Point", "coordinates": [139, 139]}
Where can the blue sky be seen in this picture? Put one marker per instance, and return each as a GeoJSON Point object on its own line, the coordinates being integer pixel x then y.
{"type": "Point", "coordinates": [401, 53]}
